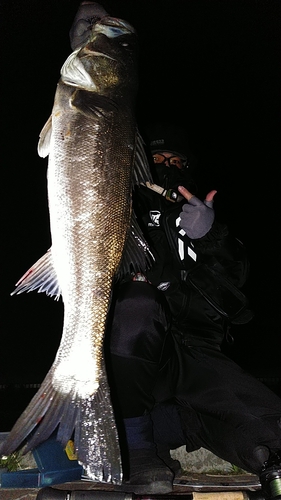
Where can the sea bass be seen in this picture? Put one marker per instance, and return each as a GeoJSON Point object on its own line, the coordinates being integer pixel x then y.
{"type": "Point", "coordinates": [96, 156]}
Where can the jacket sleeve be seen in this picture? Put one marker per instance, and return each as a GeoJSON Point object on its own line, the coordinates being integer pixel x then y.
{"type": "Point", "coordinates": [218, 245]}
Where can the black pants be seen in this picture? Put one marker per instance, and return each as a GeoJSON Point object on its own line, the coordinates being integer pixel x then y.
{"type": "Point", "coordinates": [139, 340]}
{"type": "Point", "coordinates": [198, 397]}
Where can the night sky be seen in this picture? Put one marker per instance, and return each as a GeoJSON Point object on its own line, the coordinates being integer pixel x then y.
{"type": "Point", "coordinates": [213, 66]}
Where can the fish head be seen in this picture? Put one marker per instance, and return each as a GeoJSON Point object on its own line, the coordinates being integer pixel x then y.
{"type": "Point", "coordinates": [107, 62]}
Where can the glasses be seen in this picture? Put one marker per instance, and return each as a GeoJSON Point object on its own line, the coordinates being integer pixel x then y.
{"type": "Point", "coordinates": [174, 161]}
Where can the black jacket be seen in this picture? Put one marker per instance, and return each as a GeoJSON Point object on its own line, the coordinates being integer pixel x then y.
{"type": "Point", "coordinates": [193, 317]}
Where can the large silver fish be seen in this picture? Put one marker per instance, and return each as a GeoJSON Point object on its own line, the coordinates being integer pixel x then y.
{"type": "Point", "coordinates": [96, 156]}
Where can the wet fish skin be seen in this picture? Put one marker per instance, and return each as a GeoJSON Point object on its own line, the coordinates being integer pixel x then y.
{"type": "Point", "coordinates": [92, 142]}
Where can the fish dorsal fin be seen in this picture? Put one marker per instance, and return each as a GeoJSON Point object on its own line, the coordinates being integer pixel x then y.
{"type": "Point", "coordinates": [41, 277]}
{"type": "Point", "coordinates": [137, 256]}
{"type": "Point", "coordinates": [45, 139]}
{"type": "Point", "coordinates": [141, 168]}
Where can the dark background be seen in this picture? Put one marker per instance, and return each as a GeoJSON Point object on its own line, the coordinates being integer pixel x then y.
{"type": "Point", "coordinates": [212, 66]}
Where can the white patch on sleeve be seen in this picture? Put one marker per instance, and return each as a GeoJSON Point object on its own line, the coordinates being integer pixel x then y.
{"type": "Point", "coordinates": [192, 254]}
{"type": "Point", "coordinates": [178, 221]}
{"type": "Point", "coordinates": [181, 249]}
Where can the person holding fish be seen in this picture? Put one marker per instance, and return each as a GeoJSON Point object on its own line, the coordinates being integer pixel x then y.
{"type": "Point", "coordinates": [174, 386]}
{"type": "Point", "coordinates": [171, 384]}
{"type": "Point", "coordinates": [151, 282]}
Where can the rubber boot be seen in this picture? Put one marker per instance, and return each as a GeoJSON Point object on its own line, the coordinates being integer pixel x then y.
{"type": "Point", "coordinates": [172, 463]}
{"type": "Point", "coordinates": [147, 472]}
{"type": "Point", "coordinates": [168, 433]}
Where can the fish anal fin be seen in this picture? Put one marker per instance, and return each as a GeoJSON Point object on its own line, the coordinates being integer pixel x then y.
{"type": "Point", "coordinates": [41, 277]}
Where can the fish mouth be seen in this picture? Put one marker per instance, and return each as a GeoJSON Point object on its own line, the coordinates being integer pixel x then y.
{"type": "Point", "coordinates": [113, 27]}
{"type": "Point", "coordinates": [73, 71]}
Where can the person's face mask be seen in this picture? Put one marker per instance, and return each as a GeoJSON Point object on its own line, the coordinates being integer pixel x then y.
{"type": "Point", "coordinates": [170, 172]}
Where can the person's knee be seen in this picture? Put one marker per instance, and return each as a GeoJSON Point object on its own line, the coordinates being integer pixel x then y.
{"type": "Point", "coordinates": [140, 322]}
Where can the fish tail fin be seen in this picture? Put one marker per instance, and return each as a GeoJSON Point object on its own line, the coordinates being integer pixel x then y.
{"type": "Point", "coordinates": [91, 420]}
{"type": "Point", "coordinates": [96, 439]}
{"type": "Point", "coordinates": [45, 399]}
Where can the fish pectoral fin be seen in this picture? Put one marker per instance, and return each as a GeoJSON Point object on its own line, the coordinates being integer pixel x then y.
{"type": "Point", "coordinates": [45, 139]}
{"type": "Point", "coordinates": [41, 276]}
{"type": "Point", "coordinates": [91, 104]}
{"type": "Point", "coordinates": [137, 256]}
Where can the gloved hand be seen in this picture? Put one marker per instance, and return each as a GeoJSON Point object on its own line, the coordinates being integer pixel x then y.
{"type": "Point", "coordinates": [88, 14]}
{"type": "Point", "coordinates": [197, 216]}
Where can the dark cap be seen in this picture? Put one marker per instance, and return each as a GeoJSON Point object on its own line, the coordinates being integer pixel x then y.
{"type": "Point", "coordinates": [168, 137]}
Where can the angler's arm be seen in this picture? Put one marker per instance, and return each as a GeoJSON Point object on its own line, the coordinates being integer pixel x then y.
{"type": "Point", "coordinates": [212, 239]}
{"type": "Point", "coordinates": [220, 244]}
